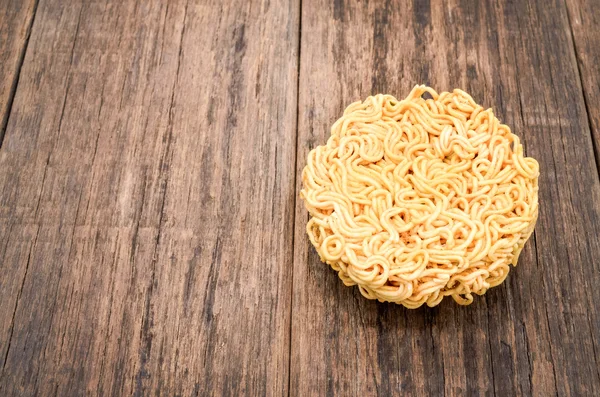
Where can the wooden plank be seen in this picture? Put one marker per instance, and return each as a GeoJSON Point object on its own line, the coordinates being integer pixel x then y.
{"type": "Point", "coordinates": [536, 334]}
{"type": "Point", "coordinates": [584, 21]}
{"type": "Point", "coordinates": [16, 18]}
{"type": "Point", "coordinates": [584, 18]}
{"type": "Point", "coordinates": [146, 200]}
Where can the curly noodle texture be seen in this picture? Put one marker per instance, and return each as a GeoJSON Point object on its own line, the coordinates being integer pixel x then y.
{"type": "Point", "coordinates": [418, 199]}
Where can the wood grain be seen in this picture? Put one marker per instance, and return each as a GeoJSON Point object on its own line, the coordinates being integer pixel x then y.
{"type": "Point", "coordinates": [146, 200]}
{"type": "Point", "coordinates": [16, 18]}
{"type": "Point", "coordinates": [584, 18]}
{"type": "Point", "coordinates": [150, 237]}
{"type": "Point", "coordinates": [538, 333]}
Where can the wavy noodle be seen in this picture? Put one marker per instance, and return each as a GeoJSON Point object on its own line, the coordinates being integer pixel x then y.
{"type": "Point", "coordinates": [415, 200]}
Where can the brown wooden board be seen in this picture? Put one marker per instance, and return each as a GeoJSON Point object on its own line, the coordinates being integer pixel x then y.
{"type": "Point", "coordinates": [149, 242]}
{"type": "Point", "coordinates": [538, 333]}
{"type": "Point", "coordinates": [584, 18]}
{"type": "Point", "coordinates": [147, 200]}
{"type": "Point", "coordinates": [16, 18]}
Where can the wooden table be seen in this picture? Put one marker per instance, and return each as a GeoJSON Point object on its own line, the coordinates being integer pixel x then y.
{"type": "Point", "coordinates": [151, 236]}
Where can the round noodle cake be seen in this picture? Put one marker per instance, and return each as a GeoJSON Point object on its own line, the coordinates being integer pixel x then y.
{"type": "Point", "coordinates": [418, 199]}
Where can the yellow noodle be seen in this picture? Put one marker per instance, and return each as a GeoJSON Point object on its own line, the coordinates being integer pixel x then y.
{"type": "Point", "coordinates": [415, 200]}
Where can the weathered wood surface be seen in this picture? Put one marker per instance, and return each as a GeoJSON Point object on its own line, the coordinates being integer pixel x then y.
{"type": "Point", "coordinates": [151, 239]}
{"type": "Point", "coordinates": [536, 335]}
{"type": "Point", "coordinates": [146, 200]}
{"type": "Point", "coordinates": [584, 18]}
{"type": "Point", "coordinates": [16, 17]}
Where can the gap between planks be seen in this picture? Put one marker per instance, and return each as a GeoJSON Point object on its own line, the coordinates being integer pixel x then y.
{"type": "Point", "coordinates": [298, 68]}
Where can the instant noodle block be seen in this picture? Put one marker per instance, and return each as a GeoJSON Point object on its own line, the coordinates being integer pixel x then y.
{"type": "Point", "coordinates": [416, 199]}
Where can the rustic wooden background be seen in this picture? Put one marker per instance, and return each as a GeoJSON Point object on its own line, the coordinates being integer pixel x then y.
{"type": "Point", "coordinates": [151, 237]}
